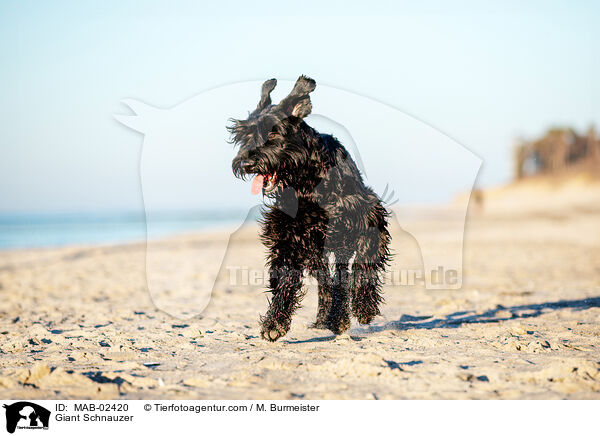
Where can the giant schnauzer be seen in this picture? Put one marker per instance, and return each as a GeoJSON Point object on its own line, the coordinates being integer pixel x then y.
{"type": "Point", "coordinates": [319, 217]}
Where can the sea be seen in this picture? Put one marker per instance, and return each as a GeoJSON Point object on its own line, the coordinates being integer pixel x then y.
{"type": "Point", "coordinates": [34, 230]}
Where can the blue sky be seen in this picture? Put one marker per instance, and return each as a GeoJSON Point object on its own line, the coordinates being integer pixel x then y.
{"type": "Point", "coordinates": [481, 73]}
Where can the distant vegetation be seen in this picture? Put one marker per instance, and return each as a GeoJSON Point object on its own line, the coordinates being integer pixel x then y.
{"type": "Point", "coordinates": [558, 150]}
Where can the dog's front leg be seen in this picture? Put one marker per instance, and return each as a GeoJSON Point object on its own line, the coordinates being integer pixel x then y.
{"type": "Point", "coordinates": [286, 286]}
{"type": "Point", "coordinates": [338, 319]}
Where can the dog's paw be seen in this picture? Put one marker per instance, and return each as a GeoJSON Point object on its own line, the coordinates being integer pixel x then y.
{"type": "Point", "coordinates": [365, 319]}
{"type": "Point", "coordinates": [339, 326]}
{"type": "Point", "coordinates": [366, 315]}
{"type": "Point", "coordinates": [271, 330]}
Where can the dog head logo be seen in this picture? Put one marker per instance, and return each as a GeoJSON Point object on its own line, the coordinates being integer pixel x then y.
{"type": "Point", "coordinates": [26, 415]}
{"type": "Point", "coordinates": [187, 159]}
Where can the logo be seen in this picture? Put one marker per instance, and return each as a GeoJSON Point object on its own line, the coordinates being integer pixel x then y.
{"type": "Point", "coordinates": [26, 415]}
{"type": "Point", "coordinates": [186, 164]}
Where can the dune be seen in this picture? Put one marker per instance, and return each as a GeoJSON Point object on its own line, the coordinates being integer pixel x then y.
{"type": "Point", "coordinates": [557, 194]}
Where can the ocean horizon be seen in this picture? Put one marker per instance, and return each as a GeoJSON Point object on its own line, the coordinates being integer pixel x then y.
{"type": "Point", "coordinates": [49, 229]}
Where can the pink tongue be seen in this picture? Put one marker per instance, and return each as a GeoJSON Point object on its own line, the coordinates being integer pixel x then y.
{"type": "Point", "coordinates": [257, 184]}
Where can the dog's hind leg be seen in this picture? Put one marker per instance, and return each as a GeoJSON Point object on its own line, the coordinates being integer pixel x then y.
{"type": "Point", "coordinates": [366, 292]}
{"type": "Point", "coordinates": [365, 282]}
{"type": "Point", "coordinates": [323, 308]}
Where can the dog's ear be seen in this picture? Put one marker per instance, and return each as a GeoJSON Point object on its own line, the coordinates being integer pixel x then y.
{"type": "Point", "coordinates": [303, 108]}
{"type": "Point", "coordinates": [297, 103]}
{"type": "Point", "coordinates": [265, 95]}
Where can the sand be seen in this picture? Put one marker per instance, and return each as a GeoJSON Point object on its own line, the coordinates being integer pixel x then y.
{"type": "Point", "coordinates": [78, 322]}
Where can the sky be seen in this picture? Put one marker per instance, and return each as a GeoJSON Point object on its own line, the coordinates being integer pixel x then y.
{"type": "Point", "coordinates": [481, 73]}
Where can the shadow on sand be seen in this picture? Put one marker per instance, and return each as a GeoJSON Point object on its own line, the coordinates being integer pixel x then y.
{"type": "Point", "coordinates": [457, 319]}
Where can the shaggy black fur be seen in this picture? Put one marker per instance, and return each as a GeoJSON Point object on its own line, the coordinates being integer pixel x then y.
{"type": "Point", "coordinates": [319, 213]}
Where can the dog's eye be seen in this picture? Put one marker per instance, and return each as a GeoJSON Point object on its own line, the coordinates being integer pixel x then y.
{"type": "Point", "coordinates": [272, 135]}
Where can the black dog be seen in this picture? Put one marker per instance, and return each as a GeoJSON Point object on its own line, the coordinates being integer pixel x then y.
{"type": "Point", "coordinates": [319, 206]}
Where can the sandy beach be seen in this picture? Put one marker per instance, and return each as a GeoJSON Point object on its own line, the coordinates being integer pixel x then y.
{"type": "Point", "coordinates": [78, 322]}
